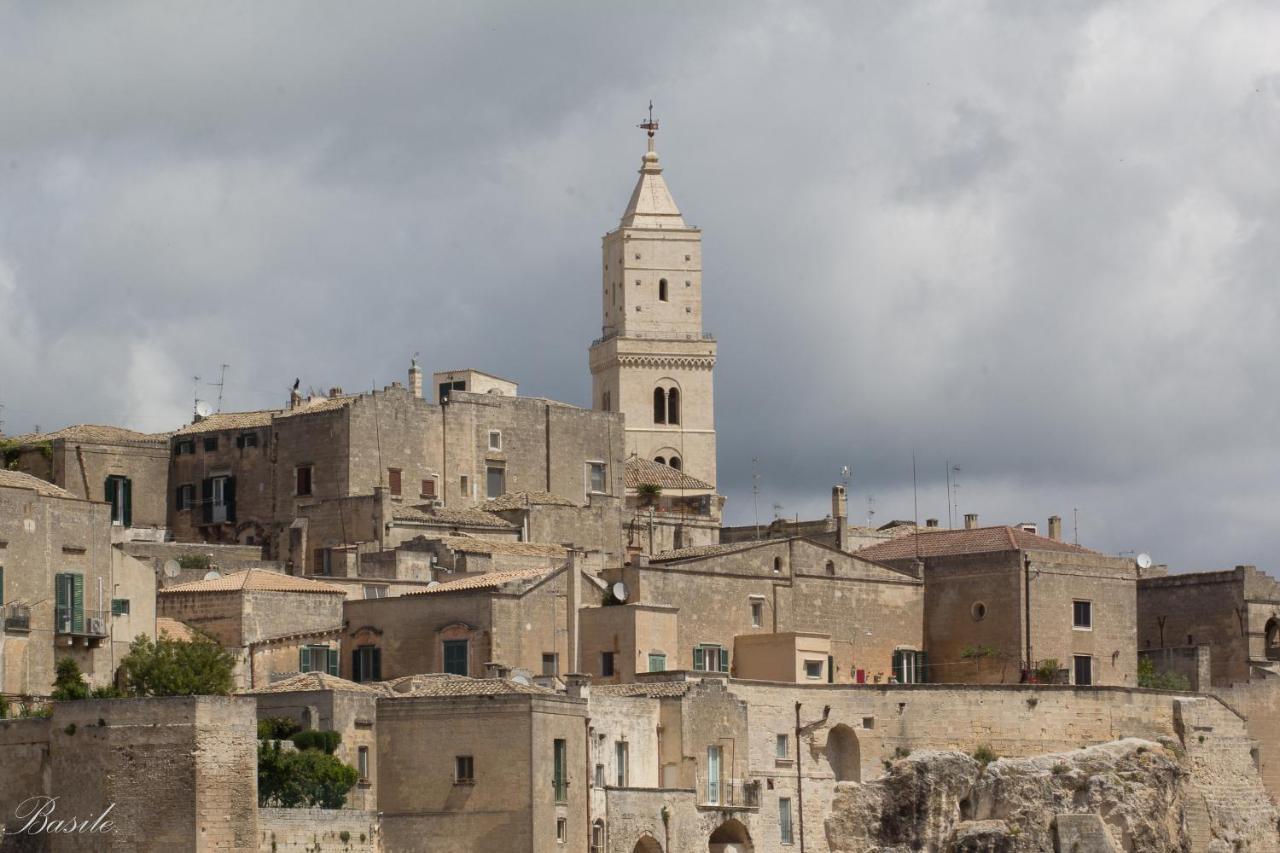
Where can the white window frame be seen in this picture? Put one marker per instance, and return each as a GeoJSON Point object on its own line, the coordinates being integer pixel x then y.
{"type": "Point", "coordinates": [782, 747]}
{"type": "Point", "coordinates": [756, 603]}
{"type": "Point", "coordinates": [592, 466]}
{"type": "Point", "coordinates": [1075, 626]}
{"type": "Point", "coordinates": [809, 662]}
{"type": "Point", "coordinates": [219, 492]}
{"type": "Point", "coordinates": [495, 440]}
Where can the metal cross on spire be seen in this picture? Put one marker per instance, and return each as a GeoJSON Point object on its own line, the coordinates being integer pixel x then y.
{"type": "Point", "coordinates": [652, 124]}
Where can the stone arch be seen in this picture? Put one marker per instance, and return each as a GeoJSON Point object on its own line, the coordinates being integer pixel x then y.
{"type": "Point", "coordinates": [844, 754]}
{"type": "Point", "coordinates": [647, 844]}
{"type": "Point", "coordinates": [1272, 633]}
{"type": "Point", "coordinates": [730, 837]}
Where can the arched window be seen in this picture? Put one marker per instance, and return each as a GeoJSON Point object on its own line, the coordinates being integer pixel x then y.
{"type": "Point", "coordinates": [844, 754]}
{"type": "Point", "coordinates": [675, 462]}
{"type": "Point", "coordinates": [659, 406]}
{"type": "Point", "coordinates": [662, 289]}
{"type": "Point", "coordinates": [661, 460]}
{"type": "Point", "coordinates": [1273, 639]}
{"type": "Point", "coordinates": [673, 406]}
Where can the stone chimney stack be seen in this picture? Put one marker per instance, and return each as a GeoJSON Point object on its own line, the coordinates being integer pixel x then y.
{"type": "Point", "coordinates": [931, 522]}
{"type": "Point", "coordinates": [840, 514]}
{"type": "Point", "coordinates": [1055, 528]}
{"type": "Point", "coordinates": [415, 377]}
{"type": "Point", "coordinates": [573, 583]}
{"type": "Point", "coordinates": [295, 398]}
{"type": "Point", "coordinates": [970, 520]}
{"type": "Point", "coordinates": [494, 669]}
{"type": "Point", "coordinates": [577, 685]}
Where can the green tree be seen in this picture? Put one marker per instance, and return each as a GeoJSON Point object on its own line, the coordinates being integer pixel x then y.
{"type": "Point", "coordinates": [167, 667]}
{"type": "Point", "coordinates": [306, 778]}
{"type": "Point", "coordinates": [68, 681]}
{"type": "Point", "coordinates": [1148, 676]}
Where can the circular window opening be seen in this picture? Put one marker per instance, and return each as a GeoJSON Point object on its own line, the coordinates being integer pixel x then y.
{"type": "Point", "coordinates": [978, 611]}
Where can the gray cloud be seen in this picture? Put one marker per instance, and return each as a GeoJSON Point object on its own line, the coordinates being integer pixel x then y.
{"type": "Point", "coordinates": [1037, 240]}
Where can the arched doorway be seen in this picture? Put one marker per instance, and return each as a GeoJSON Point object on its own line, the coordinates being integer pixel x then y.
{"type": "Point", "coordinates": [731, 837]}
{"type": "Point", "coordinates": [844, 754]}
{"type": "Point", "coordinates": [647, 844]}
{"type": "Point", "coordinates": [1273, 638]}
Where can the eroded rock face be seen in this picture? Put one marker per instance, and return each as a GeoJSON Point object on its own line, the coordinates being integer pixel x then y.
{"type": "Point", "coordinates": [946, 802]}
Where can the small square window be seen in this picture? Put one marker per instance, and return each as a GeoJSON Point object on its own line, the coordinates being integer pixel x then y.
{"type": "Point", "coordinates": [119, 607]}
{"type": "Point", "coordinates": [428, 489]}
{"type": "Point", "coordinates": [374, 591]}
{"type": "Point", "coordinates": [1082, 615]}
{"type": "Point", "coordinates": [688, 257]}
{"type": "Point", "coordinates": [211, 444]}
{"type": "Point", "coordinates": [464, 770]}
{"type": "Point", "coordinates": [813, 669]}
{"type": "Point", "coordinates": [495, 439]}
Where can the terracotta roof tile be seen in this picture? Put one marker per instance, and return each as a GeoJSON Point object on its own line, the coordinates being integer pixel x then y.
{"type": "Point", "coordinates": [705, 551]}
{"type": "Point", "coordinates": [445, 517]}
{"type": "Point", "coordinates": [652, 690]}
{"type": "Point", "coordinates": [639, 472]}
{"type": "Point", "coordinates": [19, 480]}
{"type": "Point", "coordinates": [472, 545]}
{"type": "Point", "coordinates": [520, 500]}
{"type": "Point", "coordinates": [443, 685]}
{"type": "Point", "coordinates": [96, 434]}
{"type": "Point", "coordinates": [318, 404]}
{"type": "Point", "coordinates": [229, 420]}
{"type": "Point", "coordinates": [487, 580]}
{"type": "Point", "coordinates": [307, 681]}
{"type": "Point", "coordinates": [174, 629]}
{"type": "Point", "coordinates": [978, 540]}
{"type": "Point", "coordinates": [260, 580]}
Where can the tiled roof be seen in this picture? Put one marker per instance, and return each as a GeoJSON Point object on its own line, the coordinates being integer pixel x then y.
{"type": "Point", "coordinates": [472, 545]}
{"type": "Point", "coordinates": [317, 681]}
{"type": "Point", "coordinates": [639, 472]}
{"type": "Point", "coordinates": [445, 517]}
{"type": "Point", "coordinates": [229, 420]}
{"type": "Point", "coordinates": [704, 551]}
{"type": "Point", "coordinates": [520, 500]}
{"type": "Point", "coordinates": [443, 685]}
{"type": "Point", "coordinates": [96, 434]}
{"type": "Point", "coordinates": [653, 690]}
{"type": "Point", "coordinates": [318, 404]}
{"type": "Point", "coordinates": [260, 580]}
{"type": "Point", "coordinates": [19, 480]}
{"type": "Point", "coordinates": [978, 540]}
{"type": "Point", "coordinates": [487, 580]}
{"type": "Point", "coordinates": [174, 629]}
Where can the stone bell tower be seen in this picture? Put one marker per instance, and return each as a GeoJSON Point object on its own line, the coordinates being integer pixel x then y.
{"type": "Point", "coordinates": [653, 362]}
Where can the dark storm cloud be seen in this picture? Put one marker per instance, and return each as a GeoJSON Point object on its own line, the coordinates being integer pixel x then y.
{"type": "Point", "coordinates": [1037, 240]}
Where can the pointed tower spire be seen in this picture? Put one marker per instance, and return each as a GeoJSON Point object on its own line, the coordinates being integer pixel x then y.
{"type": "Point", "coordinates": [651, 204]}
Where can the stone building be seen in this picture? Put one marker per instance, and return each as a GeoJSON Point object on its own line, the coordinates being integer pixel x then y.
{"type": "Point", "coordinates": [65, 590]}
{"type": "Point", "coordinates": [273, 623]}
{"type": "Point", "coordinates": [1000, 602]}
{"type": "Point", "coordinates": [121, 467]}
{"type": "Point", "coordinates": [653, 362]}
{"type": "Point", "coordinates": [667, 509]}
{"type": "Point", "coordinates": [871, 613]}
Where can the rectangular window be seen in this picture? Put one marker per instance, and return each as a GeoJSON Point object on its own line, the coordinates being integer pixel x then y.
{"type": "Point", "coordinates": [315, 658]}
{"type": "Point", "coordinates": [606, 664]}
{"type": "Point", "coordinates": [119, 607]}
{"type": "Point", "coordinates": [657, 662]}
{"type": "Point", "coordinates": [710, 657]}
{"type": "Point", "coordinates": [562, 830]}
{"type": "Point", "coordinates": [550, 663]}
{"type": "Point", "coordinates": [782, 746]}
{"type": "Point", "coordinates": [374, 591]}
{"type": "Point", "coordinates": [560, 770]}
{"type": "Point", "coordinates": [1083, 670]}
{"type": "Point", "coordinates": [496, 481]}
{"type": "Point", "coordinates": [428, 489]}
{"type": "Point", "coordinates": [714, 756]}
{"type": "Point", "coordinates": [221, 497]}
{"type": "Point", "coordinates": [495, 440]}
{"type": "Point", "coordinates": [366, 663]}
{"type": "Point", "coordinates": [393, 481]}
{"type": "Point", "coordinates": [1082, 615]}
{"type": "Point", "coordinates": [183, 448]}
{"type": "Point", "coordinates": [211, 444]}
{"type": "Point", "coordinates": [464, 770]}
{"type": "Point", "coordinates": [599, 778]}
{"type": "Point", "coordinates": [247, 439]}
{"type": "Point", "coordinates": [784, 820]}
{"type": "Point", "coordinates": [118, 491]}
{"type": "Point", "coordinates": [909, 666]}
{"type": "Point", "coordinates": [362, 762]}
{"type": "Point", "coordinates": [813, 670]}
{"type": "Point", "coordinates": [757, 613]}
{"type": "Point", "coordinates": [620, 762]}
{"type": "Point", "coordinates": [464, 486]}
{"type": "Point", "coordinates": [596, 478]}
{"type": "Point", "coordinates": [186, 497]}
{"type": "Point", "coordinates": [455, 657]}
{"type": "Point", "coordinates": [302, 480]}
{"type": "Point", "coordinates": [68, 588]}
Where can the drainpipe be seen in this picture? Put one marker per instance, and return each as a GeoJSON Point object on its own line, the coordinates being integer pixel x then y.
{"type": "Point", "coordinates": [1026, 572]}
{"type": "Point", "coordinates": [800, 731]}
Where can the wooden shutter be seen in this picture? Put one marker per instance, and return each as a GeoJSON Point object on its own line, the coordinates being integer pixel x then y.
{"type": "Point", "coordinates": [699, 659]}
{"type": "Point", "coordinates": [229, 497]}
{"type": "Point", "coordinates": [304, 659]}
{"type": "Point", "coordinates": [393, 480]}
{"type": "Point", "coordinates": [1, 586]}
{"type": "Point", "coordinates": [377, 664]}
{"type": "Point", "coordinates": [724, 660]}
{"type": "Point", "coordinates": [333, 661]}
{"type": "Point", "coordinates": [109, 495]}
{"type": "Point", "coordinates": [356, 674]}
{"type": "Point", "coordinates": [206, 500]}
{"type": "Point", "coordinates": [128, 502]}
{"type": "Point", "coordinates": [77, 603]}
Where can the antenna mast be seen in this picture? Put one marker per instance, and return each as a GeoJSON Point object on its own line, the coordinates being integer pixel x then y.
{"type": "Point", "coordinates": [755, 491]}
{"type": "Point", "coordinates": [222, 380]}
{"type": "Point", "coordinates": [195, 396]}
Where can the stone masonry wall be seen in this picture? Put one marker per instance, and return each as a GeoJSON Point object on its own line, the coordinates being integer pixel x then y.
{"type": "Point", "coordinates": [310, 830]}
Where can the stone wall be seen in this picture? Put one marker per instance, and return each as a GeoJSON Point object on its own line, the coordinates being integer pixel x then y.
{"type": "Point", "coordinates": [146, 464]}
{"type": "Point", "coordinates": [311, 830]}
{"type": "Point", "coordinates": [1191, 609]}
{"type": "Point", "coordinates": [1194, 663]}
{"type": "Point", "coordinates": [254, 499]}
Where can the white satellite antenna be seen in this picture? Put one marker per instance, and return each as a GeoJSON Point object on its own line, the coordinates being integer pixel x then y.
{"type": "Point", "coordinates": [1143, 561]}
{"type": "Point", "coordinates": [522, 676]}
{"type": "Point", "coordinates": [212, 575]}
{"type": "Point", "coordinates": [203, 409]}
{"type": "Point", "coordinates": [172, 568]}
{"type": "Point", "coordinates": [620, 591]}
{"type": "Point", "coordinates": [433, 584]}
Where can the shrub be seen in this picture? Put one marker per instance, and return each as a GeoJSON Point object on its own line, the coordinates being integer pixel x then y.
{"type": "Point", "coordinates": [306, 779]}
{"type": "Point", "coordinates": [277, 728]}
{"type": "Point", "coordinates": [167, 667]}
{"type": "Point", "coordinates": [1059, 769]}
{"type": "Point", "coordinates": [68, 682]}
{"type": "Point", "coordinates": [325, 742]}
{"type": "Point", "coordinates": [1148, 676]}
{"type": "Point", "coordinates": [108, 692]}
{"type": "Point", "coordinates": [194, 561]}
{"type": "Point", "coordinates": [1047, 671]}
{"type": "Point", "coordinates": [984, 755]}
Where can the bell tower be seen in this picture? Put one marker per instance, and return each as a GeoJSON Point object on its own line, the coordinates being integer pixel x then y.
{"type": "Point", "coordinates": [653, 362]}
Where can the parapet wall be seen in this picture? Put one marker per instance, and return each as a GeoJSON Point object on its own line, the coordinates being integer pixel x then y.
{"type": "Point", "coordinates": [309, 830]}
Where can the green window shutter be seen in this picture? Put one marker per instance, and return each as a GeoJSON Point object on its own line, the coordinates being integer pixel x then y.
{"type": "Point", "coordinates": [897, 666]}
{"type": "Point", "coordinates": [77, 603]}
{"type": "Point", "coordinates": [724, 660]}
{"type": "Point", "coordinates": [356, 675]}
{"type": "Point", "coordinates": [229, 495]}
{"type": "Point", "coordinates": [304, 659]}
{"type": "Point", "coordinates": [699, 659]}
{"type": "Point", "coordinates": [333, 661]}
{"type": "Point", "coordinates": [128, 502]}
{"type": "Point", "coordinates": [377, 664]}
{"type": "Point", "coordinates": [1, 586]}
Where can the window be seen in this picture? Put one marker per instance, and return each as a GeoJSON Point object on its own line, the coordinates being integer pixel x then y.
{"type": "Point", "coordinates": [1082, 615]}
{"type": "Point", "coordinates": [318, 658]}
{"type": "Point", "coordinates": [710, 657]}
{"type": "Point", "coordinates": [782, 746]}
{"type": "Point", "coordinates": [428, 488]}
{"type": "Point", "coordinates": [757, 613]}
{"type": "Point", "coordinates": [211, 444]}
{"type": "Point", "coordinates": [464, 486]}
{"type": "Point", "coordinates": [1083, 670]}
{"type": "Point", "coordinates": [118, 491]}
{"type": "Point", "coordinates": [247, 439]}
{"type": "Point", "coordinates": [375, 591]}
{"type": "Point", "coordinates": [560, 771]}
{"type": "Point", "coordinates": [495, 439]}
{"type": "Point", "coordinates": [662, 289]}
{"type": "Point", "coordinates": [464, 770]}
{"type": "Point", "coordinates": [620, 763]}
{"type": "Point", "coordinates": [714, 756]}
{"type": "Point", "coordinates": [393, 481]}
{"type": "Point", "coordinates": [673, 406]}
{"type": "Point", "coordinates": [302, 480]}
{"type": "Point", "coordinates": [185, 497]}
{"type": "Point", "coordinates": [606, 401]}
{"type": "Point", "coordinates": [674, 462]}
{"type": "Point", "coordinates": [183, 448]}
{"type": "Point", "coordinates": [909, 666]}
{"type": "Point", "coordinates": [599, 778]}
{"type": "Point", "coordinates": [784, 820]}
{"type": "Point", "coordinates": [659, 406]}
{"type": "Point", "coordinates": [661, 460]}
{"type": "Point", "coordinates": [596, 479]}
{"type": "Point", "coordinates": [323, 564]}
{"type": "Point", "coordinates": [813, 669]}
{"type": "Point", "coordinates": [777, 565]}
{"type": "Point", "coordinates": [362, 762]}
{"type": "Point", "coordinates": [218, 499]}
{"type": "Point", "coordinates": [366, 663]}
{"type": "Point", "coordinates": [657, 662]}
{"type": "Point", "coordinates": [597, 836]}
{"type": "Point", "coordinates": [68, 590]}
{"type": "Point", "coordinates": [831, 567]}
{"type": "Point", "coordinates": [446, 387]}
{"type": "Point", "coordinates": [562, 829]}
{"type": "Point", "coordinates": [119, 607]}
{"type": "Point", "coordinates": [550, 663]}
{"type": "Point", "coordinates": [978, 611]}
{"type": "Point", "coordinates": [606, 664]}
{"type": "Point", "coordinates": [455, 657]}
{"type": "Point", "coordinates": [496, 481]}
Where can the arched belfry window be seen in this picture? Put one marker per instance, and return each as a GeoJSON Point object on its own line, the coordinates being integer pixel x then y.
{"type": "Point", "coordinates": [661, 460]}
{"type": "Point", "coordinates": [675, 462]}
{"type": "Point", "coordinates": [673, 406]}
{"type": "Point", "coordinates": [662, 289]}
{"type": "Point", "coordinates": [659, 406]}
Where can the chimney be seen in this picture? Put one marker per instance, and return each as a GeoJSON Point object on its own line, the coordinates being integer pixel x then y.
{"type": "Point", "coordinates": [335, 391]}
{"type": "Point", "coordinates": [970, 520]}
{"type": "Point", "coordinates": [840, 514]}
{"type": "Point", "coordinates": [415, 377]}
{"type": "Point", "coordinates": [295, 398]}
{"type": "Point", "coordinates": [633, 553]}
{"type": "Point", "coordinates": [573, 583]}
{"type": "Point", "coordinates": [494, 669]}
{"type": "Point", "coordinates": [931, 522]}
{"type": "Point", "coordinates": [1055, 528]}
{"type": "Point", "coordinates": [577, 685]}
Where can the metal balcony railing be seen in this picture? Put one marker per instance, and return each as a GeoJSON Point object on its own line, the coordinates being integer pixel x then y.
{"type": "Point", "coordinates": [17, 617]}
{"type": "Point", "coordinates": [734, 793]}
{"type": "Point", "coordinates": [81, 623]}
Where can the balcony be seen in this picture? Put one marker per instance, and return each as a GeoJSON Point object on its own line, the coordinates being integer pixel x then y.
{"type": "Point", "coordinates": [17, 617]}
{"type": "Point", "coordinates": [89, 625]}
{"type": "Point", "coordinates": [733, 794]}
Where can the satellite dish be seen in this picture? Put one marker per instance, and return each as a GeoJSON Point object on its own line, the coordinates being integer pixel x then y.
{"type": "Point", "coordinates": [620, 591]}
{"type": "Point", "coordinates": [203, 409]}
{"type": "Point", "coordinates": [1144, 561]}
{"type": "Point", "coordinates": [522, 676]}
{"type": "Point", "coordinates": [212, 575]}
{"type": "Point", "coordinates": [172, 568]}
{"type": "Point", "coordinates": [433, 584]}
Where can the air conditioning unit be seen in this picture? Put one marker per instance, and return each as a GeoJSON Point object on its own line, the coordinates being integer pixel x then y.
{"type": "Point", "coordinates": [97, 625]}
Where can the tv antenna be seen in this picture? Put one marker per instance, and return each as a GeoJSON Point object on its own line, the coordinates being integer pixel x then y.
{"type": "Point", "coordinates": [195, 394]}
{"type": "Point", "coordinates": [845, 475]}
{"type": "Point", "coordinates": [871, 509]}
{"type": "Point", "coordinates": [755, 491]}
{"type": "Point", "coordinates": [222, 380]}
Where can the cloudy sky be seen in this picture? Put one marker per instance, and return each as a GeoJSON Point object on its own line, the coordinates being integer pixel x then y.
{"type": "Point", "coordinates": [1037, 240]}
